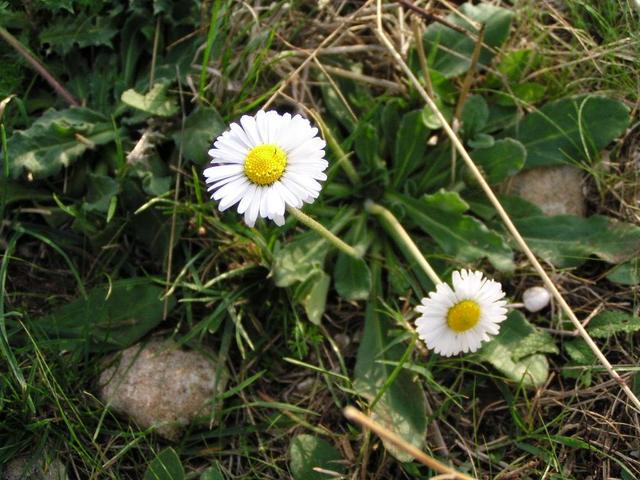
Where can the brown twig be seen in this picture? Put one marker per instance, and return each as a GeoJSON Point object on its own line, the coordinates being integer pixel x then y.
{"type": "Point", "coordinates": [430, 16]}
{"type": "Point", "coordinates": [363, 420]}
{"type": "Point", "coordinates": [38, 67]}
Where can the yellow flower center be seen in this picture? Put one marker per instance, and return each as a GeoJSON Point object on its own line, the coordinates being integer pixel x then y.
{"type": "Point", "coordinates": [463, 316]}
{"type": "Point", "coordinates": [265, 164]}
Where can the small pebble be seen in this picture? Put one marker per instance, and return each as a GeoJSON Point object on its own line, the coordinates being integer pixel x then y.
{"type": "Point", "coordinates": [536, 298]}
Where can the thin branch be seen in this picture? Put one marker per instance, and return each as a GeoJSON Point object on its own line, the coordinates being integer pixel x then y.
{"type": "Point", "coordinates": [38, 67]}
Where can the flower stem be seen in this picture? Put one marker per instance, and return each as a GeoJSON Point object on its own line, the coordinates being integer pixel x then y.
{"type": "Point", "coordinates": [322, 230]}
{"type": "Point", "coordinates": [400, 235]}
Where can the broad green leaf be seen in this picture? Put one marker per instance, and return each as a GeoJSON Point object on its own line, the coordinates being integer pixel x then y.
{"type": "Point", "coordinates": [475, 114]}
{"type": "Point", "coordinates": [113, 316]}
{"type": "Point", "coordinates": [166, 466]}
{"type": "Point", "coordinates": [81, 30]}
{"type": "Point", "coordinates": [627, 273]}
{"type": "Point", "coordinates": [312, 295]}
{"type": "Point", "coordinates": [401, 408]}
{"type": "Point", "coordinates": [17, 192]}
{"type": "Point", "coordinates": [465, 238]}
{"type": "Point", "coordinates": [56, 140]}
{"type": "Point", "coordinates": [568, 241]}
{"type": "Point", "coordinates": [516, 336]}
{"type": "Point", "coordinates": [155, 102]}
{"type": "Point", "coordinates": [212, 473]}
{"type": "Point", "coordinates": [307, 452]}
{"type": "Point", "coordinates": [201, 127]}
{"type": "Point", "coordinates": [579, 352]}
{"type": "Point", "coordinates": [352, 278]}
{"type": "Point", "coordinates": [610, 322]}
{"type": "Point", "coordinates": [298, 259]}
{"type": "Point", "coordinates": [503, 159]}
{"type": "Point", "coordinates": [449, 52]}
{"type": "Point", "coordinates": [411, 144]}
{"type": "Point", "coordinates": [101, 189]}
{"type": "Point", "coordinates": [570, 130]}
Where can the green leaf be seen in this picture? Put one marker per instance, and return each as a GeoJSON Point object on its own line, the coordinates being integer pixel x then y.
{"type": "Point", "coordinates": [449, 52]}
{"type": "Point", "coordinates": [465, 238]}
{"type": "Point", "coordinates": [366, 144]}
{"type": "Point", "coordinates": [475, 114]}
{"type": "Point", "coordinates": [515, 337]}
{"type": "Point", "coordinates": [401, 408]}
{"type": "Point", "coordinates": [503, 159]}
{"type": "Point", "coordinates": [101, 189]}
{"type": "Point", "coordinates": [610, 322]}
{"type": "Point", "coordinates": [112, 316]}
{"type": "Point", "coordinates": [312, 295]}
{"type": "Point", "coordinates": [568, 241]}
{"type": "Point", "coordinates": [212, 473]}
{"type": "Point", "coordinates": [56, 140]}
{"type": "Point", "coordinates": [411, 145]}
{"type": "Point", "coordinates": [571, 130]}
{"type": "Point", "coordinates": [579, 352]}
{"type": "Point", "coordinates": [166, 466]}
{"type": "Point", "coordinates": [352, 278]}
{"type": "Point", "coordinates": [307, 452]}
{"type": "Point", "coordinates": [80, 30]}
{"type": "Point", "coordinates": [627, 273]}
{"type": "Point", "coordinates": [299, 259]}
{"type": "Point", "coordinates": [155, 102]}
{"type": "Point", "coordinates": [201, 127]}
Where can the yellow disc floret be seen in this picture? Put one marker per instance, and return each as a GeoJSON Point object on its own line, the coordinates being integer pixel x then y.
{"type": "Point", "coordinates": [463, 316]}
{"type": "Point", "coordinates": [265, 164]}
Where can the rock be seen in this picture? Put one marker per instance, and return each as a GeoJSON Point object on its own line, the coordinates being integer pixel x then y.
{"type": "Point", "coordinates": [161, 385]}
{"type": "Point", "coordinates": [536, 298]}
{"type": "Point", "coordinates": [23, 468]}
{"type": "Point", "coordinates": [556, 190]}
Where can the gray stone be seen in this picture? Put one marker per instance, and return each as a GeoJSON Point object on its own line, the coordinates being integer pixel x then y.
{"type": "Point", "coordinates": [161, 385]}
{"type": "Point", "coordinates": [555, 190]}
{"type": "Point", "coordinates": [27, 468]}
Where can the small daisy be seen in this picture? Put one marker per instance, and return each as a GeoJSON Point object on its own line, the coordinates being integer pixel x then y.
{"type": "Point", "coordinates": [459, 319]}
{"type": "Point", "coordinates": [265, 163]}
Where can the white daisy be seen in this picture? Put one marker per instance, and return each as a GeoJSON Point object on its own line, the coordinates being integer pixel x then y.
{"type": "Point", "coordinates": [264, 163]}
{"type": "Point", "coordinates": [459, 319]}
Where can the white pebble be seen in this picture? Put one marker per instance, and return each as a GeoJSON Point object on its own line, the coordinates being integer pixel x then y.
{"type": "Point", "coordinates": [535, 298]}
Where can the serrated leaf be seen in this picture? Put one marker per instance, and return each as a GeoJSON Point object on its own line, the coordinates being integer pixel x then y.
{"type": "Point", "coordinates": [212, 473]}
{"type": "Point", "coordinates": [166, 466]}
{"type": "Point", "coordinates": [531, 370]}
{"type": "Point", "coordinates": [610, 322]}
{"type": "Point", "coordinates": [366, 143]}
{"type": "Point", "coordinates": [538, 341]}
{"type": "Point", "coordinates": [570, 130]}
{"type": "Point", "coordinates": [298, 259]}
{"type": "Point", "coordinates": [56, 140]}
{"type": "Point", "coordinates": [401, 408]}
{"type": "Point", "coordinates": [155, 102]}
{"type": "Point", "coordinates": [411, 145]}
{"type": "Point", "coordinates": [501, 160]}
{"type": "Point", "coordinates": [112, 316]}
{"type": "Point", "coordinates": [449, 52]}
{"type": "Point", "coordinates": [466, 238]}
{"type": "Point", "coordinates": [568, 241]}
{"type": "Point", "coordinates": [307, 452]}
{"type": "Point", "coordinates": [201, 127]}
{"type": "Point", "coordinates": [80, 30]}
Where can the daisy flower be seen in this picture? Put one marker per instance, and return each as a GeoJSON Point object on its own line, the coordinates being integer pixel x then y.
{"type": "Point", "coordinates": [459, 319]}
{"type": "Point", "coordinates": [264, 163]}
